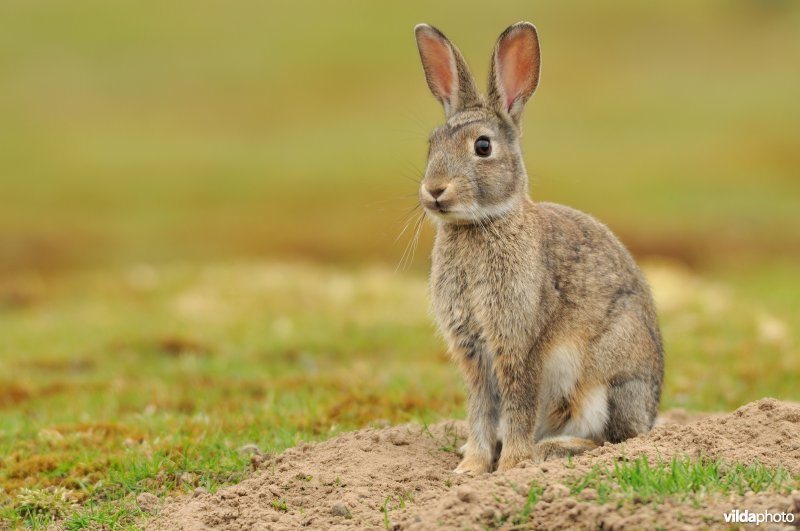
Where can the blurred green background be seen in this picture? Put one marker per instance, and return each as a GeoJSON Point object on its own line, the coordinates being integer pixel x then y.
{"type": "Point", "coordinates": [199, 203]}
{"type": "Point", "coordinates": [197, 130]}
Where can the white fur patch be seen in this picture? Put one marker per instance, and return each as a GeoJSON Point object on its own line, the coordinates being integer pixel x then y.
{"type": "Point", "coordinates": [476, 213]}
{"type": "Point", "coordinates": [560, 374]}
{"type": "Point", "coordinates": [591, 421]}
{"type": "Point", "coordinates": [562, 368]}
{"type": "Point", "coordinates": [500, 209]}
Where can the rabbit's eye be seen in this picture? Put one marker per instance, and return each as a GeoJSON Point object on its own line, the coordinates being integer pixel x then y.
{"type": "Point", "coordinates": [483, 146]}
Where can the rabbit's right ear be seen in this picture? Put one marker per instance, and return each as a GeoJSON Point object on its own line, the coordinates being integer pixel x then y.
{"type": "Point", "coordinates": [446, 71]}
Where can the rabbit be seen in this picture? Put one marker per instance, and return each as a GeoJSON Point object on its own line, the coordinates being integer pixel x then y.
{"type": "Point", "coordinates": [548, 315]}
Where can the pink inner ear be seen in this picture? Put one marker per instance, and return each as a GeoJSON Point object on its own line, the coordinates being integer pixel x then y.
{"type": "Point", "coordinates": [516, 55]}
{"type": "Point", "coordinates": [436, 56]}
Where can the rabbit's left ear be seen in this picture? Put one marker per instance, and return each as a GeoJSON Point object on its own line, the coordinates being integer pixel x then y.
{"type": "Point", "coordinates": [446, 71]}
{"type": "Point", "coordinates": [514, 75]}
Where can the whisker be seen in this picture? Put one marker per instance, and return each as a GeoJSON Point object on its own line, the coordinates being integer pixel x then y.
{"type": "Point", "coordinates": [403, 231]}
{"type": "Point", "coordinates": [408, 214]}
{"type": "Point", "coordinates": [416, 237]}
{"type": "Point", "coordinates": [414, 168]}
{"type": "Point", "coordinates": [412, 179]}
{"type": "Point", "coordinates": [492, 227]}
{"type": "Point", "coordinates": [409, 257]}
{"type": "Point", "coordinates": [389, 198]}
{"type": "Point", "coordinates": [473, 211]}
{"type": "Point", "coordinates": [407, 218]}
{"type": "Point", "coordinates": [406, 250]}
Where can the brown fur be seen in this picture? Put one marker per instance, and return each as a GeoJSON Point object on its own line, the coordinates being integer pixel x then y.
{"type": "Point", "coordinates": [552, 321]}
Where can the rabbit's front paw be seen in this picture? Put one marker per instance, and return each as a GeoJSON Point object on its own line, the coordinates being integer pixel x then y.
{"type": "Point", "coordinates": [473, 465]}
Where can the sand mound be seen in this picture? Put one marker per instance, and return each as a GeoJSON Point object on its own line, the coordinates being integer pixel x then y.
{"type": "Point", "coordinates": [401, 477]}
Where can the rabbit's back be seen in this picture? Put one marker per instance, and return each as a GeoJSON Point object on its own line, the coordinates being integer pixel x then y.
{"type": "Point", "coordinates": [592, 277]}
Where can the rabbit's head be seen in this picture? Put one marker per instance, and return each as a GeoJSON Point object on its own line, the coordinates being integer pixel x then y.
{"type": "Point", "coordinates": [475, 169]}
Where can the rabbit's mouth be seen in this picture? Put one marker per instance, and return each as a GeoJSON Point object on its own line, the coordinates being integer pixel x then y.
{"type": "Point", "coordinates": [439, 208]}
{"type": "Point", "coordinates": [461, 212]}
{"type": "Point", "coordinates": [437, 205]}
{"type": "Point", "coordinates": [446, 204]}
{"type": "Point", "coordinates": [449, 213]}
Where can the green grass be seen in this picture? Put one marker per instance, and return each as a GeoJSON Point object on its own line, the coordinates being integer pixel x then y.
{"type": "Point", "coordinates": [205, 133]}
{"type": "Point", "coordinates": [652, 481]}
{"type": "Point", "coordinates": [680, 477]}
{"type": "Point", "coordinates": [393, 503]}
{"type": "Point", "coordinates": [121, 389]}
{"type": "Point", "coordinates": [535, 492]}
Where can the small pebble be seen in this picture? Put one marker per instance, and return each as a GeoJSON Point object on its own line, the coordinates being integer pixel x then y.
{"type": "Point", "coordinates": [398, 439]}
{"type": "Point", "coordinates": [465, 494]}
{"type": "Point", "coordinates": [339, 510]}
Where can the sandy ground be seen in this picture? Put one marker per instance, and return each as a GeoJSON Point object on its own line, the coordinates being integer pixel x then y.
{"type": "Point", "coordinates": [346, 482]}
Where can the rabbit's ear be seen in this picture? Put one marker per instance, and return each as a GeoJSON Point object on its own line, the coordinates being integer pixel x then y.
{"type": "Point", "coordinates": [515, 69]}
{"type": "Point", "coordinates": [446, 71]}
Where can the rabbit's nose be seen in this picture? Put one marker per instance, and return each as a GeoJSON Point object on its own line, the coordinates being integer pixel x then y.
{"type": "Point", "coordinates": [436, 191]}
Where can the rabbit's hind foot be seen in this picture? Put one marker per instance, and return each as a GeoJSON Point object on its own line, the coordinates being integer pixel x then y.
{"type": "Point", "coordinates": [558, 447]}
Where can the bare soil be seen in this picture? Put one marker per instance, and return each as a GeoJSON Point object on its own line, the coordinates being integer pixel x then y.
{"type": "Point", "coordinates": [401, 478]}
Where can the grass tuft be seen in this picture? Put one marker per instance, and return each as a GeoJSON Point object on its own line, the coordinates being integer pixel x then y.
{"type": "Point", "coordinates": [54, 501]}
{"type": "Point", "coordinates": [280, 505]}
{"type": "Point", "coordinates": [643, 481]}
{"type": "Point", "coordinates": [535, 492]}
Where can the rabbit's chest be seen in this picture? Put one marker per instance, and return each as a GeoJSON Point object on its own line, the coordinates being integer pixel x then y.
{"type": "Point", "coordinates": [474, 301]}
{"type": "Point", "coordinates": [487, 292]}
